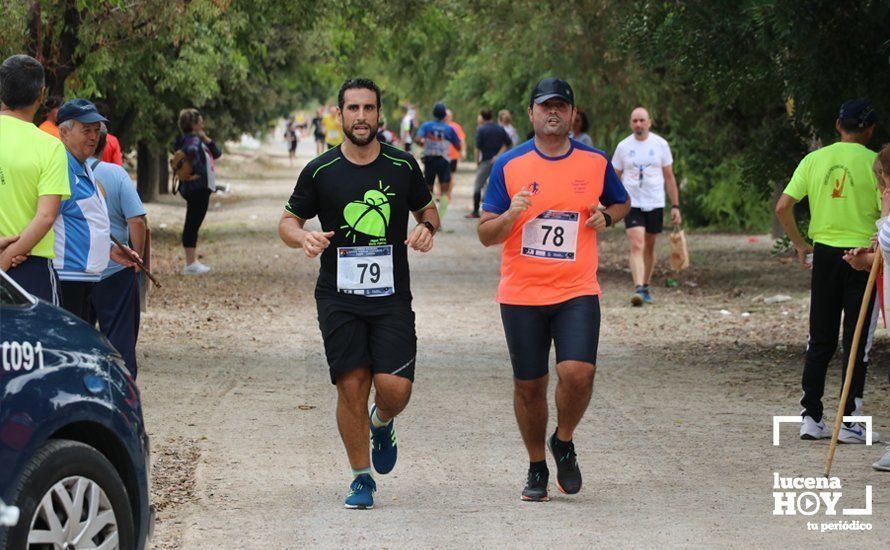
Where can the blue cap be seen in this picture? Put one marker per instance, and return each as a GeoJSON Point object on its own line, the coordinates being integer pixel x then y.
{"type": "Point", "coordinates": [439, 110]}
{"type": "Point", "coordinates": [859, 113]}
{"type": "Point", "coordinates": [80, 110]}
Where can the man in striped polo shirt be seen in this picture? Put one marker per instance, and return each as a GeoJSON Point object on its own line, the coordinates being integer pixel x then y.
{"type": "Point", "coordinates": [83, 232]}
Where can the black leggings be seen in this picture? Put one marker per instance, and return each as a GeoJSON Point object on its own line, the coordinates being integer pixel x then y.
{"type": "Point", "coordinates": [196, 208]}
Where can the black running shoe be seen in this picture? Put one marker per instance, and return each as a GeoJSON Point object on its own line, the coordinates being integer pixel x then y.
{"type": "Point", "coordinates": [568, 475]}
{"type": "Point", "coordinates": [536, 486]}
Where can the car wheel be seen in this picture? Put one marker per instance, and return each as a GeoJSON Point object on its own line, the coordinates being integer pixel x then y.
{"type": "Point", "coordinates": [70, 496]}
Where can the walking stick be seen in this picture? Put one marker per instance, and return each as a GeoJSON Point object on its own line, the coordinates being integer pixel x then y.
{"type": "Point", "coordinates": [133, 258]}
{"type": "Point", "coordinates": [851, 362]}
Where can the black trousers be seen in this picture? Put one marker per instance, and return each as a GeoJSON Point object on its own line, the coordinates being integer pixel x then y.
{"type": "Point", "coordinates": [116, 303]}
{"type": "Point", "coordinates": [195, 210]}
{"type": "Point", "coordinates": [77, 297]}
{"type": "Point", "coordinates": [836, 288]}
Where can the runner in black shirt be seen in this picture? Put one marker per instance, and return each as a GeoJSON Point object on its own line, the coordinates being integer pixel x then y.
{"type": "Point", "coordinates": [362, 192]}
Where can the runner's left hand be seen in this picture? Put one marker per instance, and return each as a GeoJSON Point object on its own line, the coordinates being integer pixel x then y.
{"type": "Point", "coordinates": [596, 221]}
{"type": "Point", "coordinates": [420, 239]}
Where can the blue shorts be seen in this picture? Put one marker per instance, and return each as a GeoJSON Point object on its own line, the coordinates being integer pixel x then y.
{"type": "Point", "coordinates": [574, 326]}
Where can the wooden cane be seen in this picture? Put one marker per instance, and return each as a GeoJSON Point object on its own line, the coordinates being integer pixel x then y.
{"type": "Point", "coordinates": [851, 362]}
{"type": "Point", "coordinates": [133, 258]}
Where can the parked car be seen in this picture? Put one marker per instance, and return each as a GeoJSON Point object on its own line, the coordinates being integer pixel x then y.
{"type": "Point", "coordinates": [74, 455]}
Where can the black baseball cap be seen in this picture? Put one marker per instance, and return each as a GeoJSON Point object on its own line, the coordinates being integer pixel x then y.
{"type": "Point", "coordinates": [81, 110]}
{"type": "Point", "coordinates": [858, 113]}
{"type": "Point", "coordinates": [550, 88]}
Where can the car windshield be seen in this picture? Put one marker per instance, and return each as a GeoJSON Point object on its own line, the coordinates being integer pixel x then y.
{"type": "Point", "coordinates": [10, 295]}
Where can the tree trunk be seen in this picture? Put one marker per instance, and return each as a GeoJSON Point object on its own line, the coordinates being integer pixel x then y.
{"type": "Point", "coordinates": [777, 231]}
{"type": "Point", "coordinates": [163, 173]}
{"type": "Point", "coordinates": [146, 173]}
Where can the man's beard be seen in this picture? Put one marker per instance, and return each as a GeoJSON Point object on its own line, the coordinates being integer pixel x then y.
{"type": "Point", "coordinates": [361, 142]}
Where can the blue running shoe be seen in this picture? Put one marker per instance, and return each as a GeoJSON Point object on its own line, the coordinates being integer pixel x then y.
{"type": "Point", "coordinates": [361, 493]}
{"type": "Point", "coordinates": [384, 451]}
{"type": "Point", "coordinates": [647, 296]}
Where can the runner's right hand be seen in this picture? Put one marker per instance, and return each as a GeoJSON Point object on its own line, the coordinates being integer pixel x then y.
{"type": "Point", "coordinates": [519, 204]}
{"type": "Point", "coordinates": [316, 241]}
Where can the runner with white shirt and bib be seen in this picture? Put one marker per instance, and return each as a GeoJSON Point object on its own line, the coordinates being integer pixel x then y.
{"type": "Point", "coordinates": [644, 163]}
{"type": "Point", "coordinates": [362, 192]}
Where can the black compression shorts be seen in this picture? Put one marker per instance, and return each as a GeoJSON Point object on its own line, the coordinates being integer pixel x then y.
{"type": "Point", "coordinates": [574, 326]}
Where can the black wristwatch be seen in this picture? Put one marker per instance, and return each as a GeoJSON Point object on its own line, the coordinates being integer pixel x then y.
{"type": "Point", "coordinates": [429, 226]}
{"type": "Point", "coordinates": [677, 206]}
{"type": "Point", "coordinates": [608, 219]}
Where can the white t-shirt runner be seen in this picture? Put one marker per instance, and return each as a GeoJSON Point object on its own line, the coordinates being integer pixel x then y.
{"type": "Point", "coordinates": [641, 164]}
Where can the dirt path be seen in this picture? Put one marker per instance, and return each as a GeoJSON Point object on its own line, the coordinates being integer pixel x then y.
{"type": "Point", "coordinates": [675, 448]}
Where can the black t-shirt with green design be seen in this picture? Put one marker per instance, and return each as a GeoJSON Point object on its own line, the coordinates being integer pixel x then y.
{"type": "Point", "coordinates": [367, 207]}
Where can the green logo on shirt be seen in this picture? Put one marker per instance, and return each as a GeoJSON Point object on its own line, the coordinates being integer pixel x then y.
{"type": "Point", "coordinates": [369, 216]}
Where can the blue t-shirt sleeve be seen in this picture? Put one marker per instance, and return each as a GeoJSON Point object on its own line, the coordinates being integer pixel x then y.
{"type": "Point", "coordinates": [452, 137]}
{"type": "Point", "coordinates": [613, 190]}
{"type": "Point", "coordinates": [130, 203]}
{"type": "Point", "coordinates": [497, 200]}
{"type": "Point", "coordinates": [421, 132]}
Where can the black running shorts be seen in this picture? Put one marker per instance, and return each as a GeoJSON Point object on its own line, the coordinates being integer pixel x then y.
{"type": "Point", "coordinates": [382, 338]}
{"type": "Point", "coordinates": [453, 164]}
{"type": "Point", "coordinates": [653, 220]}
{"type": "Point", "coordinates": [574, 326]}
{"type": "Point", "coordinates": [434, 167]}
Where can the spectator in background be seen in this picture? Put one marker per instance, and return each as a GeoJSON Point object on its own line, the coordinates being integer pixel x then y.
{"type": "Point", "coordinates": [116, 296]}
{"type": "Point", "coordinates": [333, 128]}
{"type": "Point", "coordinates": [113, 152]}
{"type": "Point", "coordinates": [83, 238]}
{"type": "Point", "coordinates": [844, 204]}
{"type": "Point", "coordinates": [580, 125]}
{"type": "Point", "coordinates": [506, 122]}
{"type": "Point", "coordinates": [384, 135]}
{"type": "Point", "coordinates": [318, 130]}
{"type": "Point", "coordinates": [52, 108]}
{"type": "Point", "coordinates": [406, 128]}
{"type": "Point", "coordinates": [33, 181]}
{"type": "Point", "coordinates": [491, 141]}
{"type": "Point", "coordinates": [201, 152]}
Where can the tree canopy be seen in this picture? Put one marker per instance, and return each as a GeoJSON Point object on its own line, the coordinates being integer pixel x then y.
{"type": "Point", "coordinates": [741, 89]}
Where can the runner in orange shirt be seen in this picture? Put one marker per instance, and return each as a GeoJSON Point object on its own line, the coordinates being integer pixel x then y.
{"type": "Point", "coordinates": [543, 203]}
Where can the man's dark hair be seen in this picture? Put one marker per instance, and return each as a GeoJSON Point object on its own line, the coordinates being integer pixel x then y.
{"type": "Point", "coordinates": [101, 144]}
{"type": "Point", "coordinates": [585, 123]}
{"type": "Point", "coordinates": [21, 81]}
{"type": "Point", "coordinates": [485, 113]}
{"type": "Point", "coordinates": [53, 102]}
{"type": "Point", "coordinates": [358, 84]}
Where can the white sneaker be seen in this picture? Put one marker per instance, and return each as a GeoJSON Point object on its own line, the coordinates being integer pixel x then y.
{"type": "Point", "coordinates": [812, 430]}
{"type": "Point", "coordinates": [195, 268]}
{"type": "Point", "coordinates": [855, 434]}
{"type": "Point", "coordinates": [883, 464]}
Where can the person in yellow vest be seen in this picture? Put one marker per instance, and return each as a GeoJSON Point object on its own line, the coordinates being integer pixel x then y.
{"type": "Point", "coordinates": [333, 129]}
